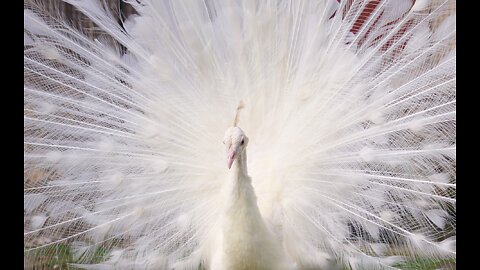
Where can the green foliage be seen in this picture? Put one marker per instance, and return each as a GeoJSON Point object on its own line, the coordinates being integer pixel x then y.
{"type": "Point", "coordinates": [60, 256]}
{"type": "Point", "coordinates": [427, 264]}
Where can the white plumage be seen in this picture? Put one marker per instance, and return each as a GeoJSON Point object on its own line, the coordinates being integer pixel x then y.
{"type": "Point", "coordinates": [244, 241]}
{"type": "Point", "coordinates": [349, 110]}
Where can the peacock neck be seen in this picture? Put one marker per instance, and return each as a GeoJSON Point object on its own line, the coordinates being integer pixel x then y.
{"type": "Point", "coordinates": [240, 184]}
{"type": "Point", "coordinates": [239, 167]}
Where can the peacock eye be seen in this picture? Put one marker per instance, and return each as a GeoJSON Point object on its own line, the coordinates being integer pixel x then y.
{"type": "Point", "coordinates": [242, 141]}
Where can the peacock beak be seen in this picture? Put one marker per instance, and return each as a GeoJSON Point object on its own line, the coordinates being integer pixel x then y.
{"type": "Point", "coordinates": [231, 157]}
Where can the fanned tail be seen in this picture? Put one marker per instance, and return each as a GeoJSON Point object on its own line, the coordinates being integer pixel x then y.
{"type": "Point", "coordinates": [349, 107]}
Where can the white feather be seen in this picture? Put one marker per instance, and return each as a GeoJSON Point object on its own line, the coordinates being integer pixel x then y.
{"type": "Point", "coordinates": [350, 117]}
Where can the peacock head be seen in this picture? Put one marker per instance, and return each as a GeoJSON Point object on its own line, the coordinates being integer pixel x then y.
{"type": "Point", "coordinates": [235, 142]}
